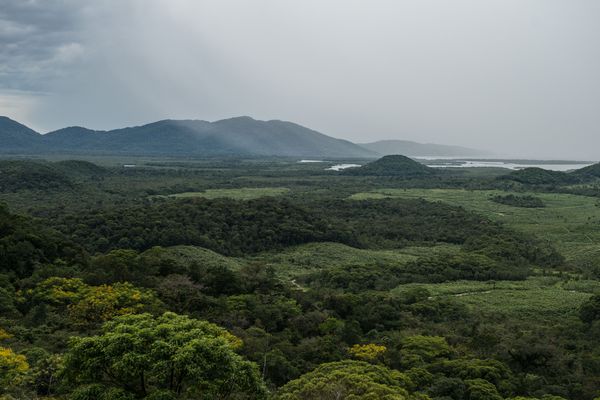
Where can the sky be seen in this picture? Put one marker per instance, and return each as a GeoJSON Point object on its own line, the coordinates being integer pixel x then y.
{"type": "Point", "coordinates": [516, 77]}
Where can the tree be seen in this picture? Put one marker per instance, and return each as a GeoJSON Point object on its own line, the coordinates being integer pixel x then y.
{"type": "Point", "coordinates": [356, 380]}
{"type": "Point", "coordinates": [119, 266]}
{"type": "Point", "coordinates": [590, 310]}
{"type": "Point", "coordinates": [480, 389]}
{"type": "Point", "coordinates": [367, 352]}
{"type": "Point", "coordinates": [418, 349]}
{"type": "Point", "coordinates": [90, 305]}
{"type": "Point", "coordinates": [180, 293]}
{"type": "Point", "coordinates": [13, 368]}
{"type": "Point", "coordinates": [101, 303]}
{"type": "Point", "coordinates": [168, 357]}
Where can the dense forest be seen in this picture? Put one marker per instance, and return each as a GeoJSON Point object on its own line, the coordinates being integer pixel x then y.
{"type": "Point", "coordinates": [204, 279]}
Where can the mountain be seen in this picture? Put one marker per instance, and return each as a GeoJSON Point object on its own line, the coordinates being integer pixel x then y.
{"type": "Point", "coordinates": [16, 137]}
{"type": "Point", "coordinates": [393, 165]}
{"type": "Point", "coordinates": [234, 136]}
{"type": "Point", "coordinates": [414, 149]}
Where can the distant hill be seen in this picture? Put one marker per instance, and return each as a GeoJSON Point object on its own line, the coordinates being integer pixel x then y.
{"type": "Point", "coordinates": [591, 171]}
{"type": "Point", "coordinates": [18, 175]}
{"type": "Point", "coordinates": [414, 149]}
{"type": "Point", "coordinates": [540, 176]}
{"type": "Point", "coordinates": [393, 165]}
{"type": "Point", "coordinates": [243, 136]}
{"type": "Point", "coordinates": [16, 137]}
{"type": "Point", "coordinates": [80, 169]}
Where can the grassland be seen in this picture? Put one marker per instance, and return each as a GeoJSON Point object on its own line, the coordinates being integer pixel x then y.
{"type": "Point", "coordinates": [543, 298]}
{"type": "Point", "coordinates": [547, 298]}
{"type": "Point", "coordinates": [570, 222]}
{"type": "Point", "coordinates": [236, 194]}
{"type": "Point", "coordinates": [298, 260]}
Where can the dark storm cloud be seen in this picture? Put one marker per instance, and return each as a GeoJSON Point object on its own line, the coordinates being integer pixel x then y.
{"type": "Point", "coordinates": [517, 77]}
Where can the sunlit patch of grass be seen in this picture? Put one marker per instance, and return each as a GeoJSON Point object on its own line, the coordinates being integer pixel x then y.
{"type": "Point", "coordinates": [236, 194]}
{"type": "Point", "coordinates": [537, 298]}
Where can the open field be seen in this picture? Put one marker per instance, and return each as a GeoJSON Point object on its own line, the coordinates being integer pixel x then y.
{"type": "Point", "coordinates": [570, 222]}
{"type": "Point", "coordinates": [541, 298]}
{"type": "Point", "coordinates": [302, 259]}
{"type": "Point", "coordinates": [236, 194]}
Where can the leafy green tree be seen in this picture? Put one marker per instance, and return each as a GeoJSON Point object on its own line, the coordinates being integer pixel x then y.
{"type": "Point", "coordinates": [480, 389]}
{"type": "Point", "coordinates": [120, 266]}
{"type": "Point", "coordinates": [367, 352]}
{"type": "Point", "coordinates": [180, 293]}
{"type": "Point", "coordinates": [545, 397]}
{"type": "Point", "coordinates": [356, 380]}
{"type": "Point", "coordinates": [88, 305]}
{"type": "Point", "coordinates": [418, 350]}
{"type": "Point", "coordinates": [590, 310]}
{"type": "Point", "coordinates": [13, 368]}
{"type": "Point", "coordinates": [168, 357]}
{"type": "Point", "coordinates": [44, 373]}
{"type": "Point", "coordinates": [101, 303]}
{"type": "Point", "coordinates": [465, 368]}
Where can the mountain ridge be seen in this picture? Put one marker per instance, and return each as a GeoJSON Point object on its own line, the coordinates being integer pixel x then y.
{"type": "Point", "coordinates": [416, 149]}
{"type": "Point", "coordinates": [235, 136]}
{"type": "Point", "coordinates": [243, 136]}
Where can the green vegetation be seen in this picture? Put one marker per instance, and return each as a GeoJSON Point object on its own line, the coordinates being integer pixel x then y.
{"type": "Point", "coordinates": [569, 222]}
{"type": "Point", "coordinates": [348, 380]}
{"type": "Point", "coordinates": [168, 357]}
{"type": "Point", "coordinates": [18, 175]}
{"type": "Point", "coordinates": [540, 176]}
{"type": "Point", "coordinates": [236, 194]}
{"type": "Point", "coordinates": [519, 201]}
{"type": "Point", "coordinates": [269, 278]}
{"type": "Point", "coordinates": [549, 298]}
{"type": "Point", "coordinates": [589, 172]}
{"type": "Point", "coordinates": [395, 165]}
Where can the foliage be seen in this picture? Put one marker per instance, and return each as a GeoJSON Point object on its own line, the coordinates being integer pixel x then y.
{"type": "Point", "coordinates": [224, 225]}
{"type": "Point", "coordinates": [348, 380]}
{"type": "Point", "coordinates": [590, 310]}
{"type": "Point", "coordinates": [90, 305]}
{"type": "Point", "coordinates": [236, 194]}
{"type": "Point", "coordinates": [420, 269]}
{"type": "Point", "coordinates": [418, 350]}
{"type": "Point", "coordinates": [19, 175]}
{"type": "Point", "coordinates": [25, 245]}
{"type": "Point", "coordinates": [526, 201]}
{"type": "Point", "coordinates": [539, 176]}
{"type": "Point", "coordinates": [12, 368]}
{"type": "Point", "coordinates": [170, 356]}
{"type": "Point", "coordinates": [393, 165]}
{"type": "Point", "coordinates": [367, 352]}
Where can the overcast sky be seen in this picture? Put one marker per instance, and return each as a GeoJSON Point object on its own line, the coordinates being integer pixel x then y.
{"type": "Point", "coordinates": [519, 77]}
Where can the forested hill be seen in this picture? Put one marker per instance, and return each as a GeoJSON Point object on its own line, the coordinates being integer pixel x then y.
{"type": "Point", "coordinates": [234, 136]}
{"type": "Point", "coordinates": [16, 137]}
{"type": "Point", "coordinates": [394, 165]}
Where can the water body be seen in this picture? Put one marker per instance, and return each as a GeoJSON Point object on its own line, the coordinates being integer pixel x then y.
{"type": "Point", "coordinates": [339, 167]}
{"type": "Point", "coordinates": [509, 164]}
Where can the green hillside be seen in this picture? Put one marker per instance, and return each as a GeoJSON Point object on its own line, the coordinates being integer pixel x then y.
{"type": "Point", "coordinates": [394, 165]}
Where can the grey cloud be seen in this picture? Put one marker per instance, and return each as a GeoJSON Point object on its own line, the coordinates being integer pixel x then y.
{"type": "Point", "coordinates": [38, 39]}
{"type": "Point", "coordinates": [519, 77]}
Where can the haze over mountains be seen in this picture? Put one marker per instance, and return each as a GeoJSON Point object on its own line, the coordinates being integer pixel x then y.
{"type": "Point", "coordinates": [228, 137]}
{"type": "Point", "coordinates": [414, 149]}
